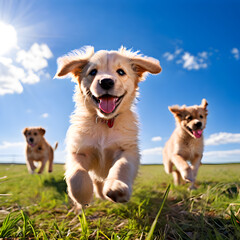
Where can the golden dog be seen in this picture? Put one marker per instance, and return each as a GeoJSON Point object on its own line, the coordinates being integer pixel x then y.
{"type": "Point", "coordinates": [102, 141]}
{"type": "Point", "coordinates": [186, 142]}
{"type": "Point", "coordinates": [38, 149]}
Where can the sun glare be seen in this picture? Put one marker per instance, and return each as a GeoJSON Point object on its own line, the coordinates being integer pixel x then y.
{"type": "Point", "coordinates": [8, 38]}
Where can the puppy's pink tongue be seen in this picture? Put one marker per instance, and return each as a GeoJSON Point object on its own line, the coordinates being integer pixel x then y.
{"type": "Point", "coordinates": [107, 104]}
{"type": "Point", "coordinates": [197, 133]}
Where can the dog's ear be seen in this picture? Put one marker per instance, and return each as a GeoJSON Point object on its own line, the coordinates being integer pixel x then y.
{"type": "Point", "coordinates": [176, 111]}
{"type": "Point", "coordinates": [25, 130]}
{"type": "Point", "coordinates": [141, 64]}
{"type": "Point", "coordinates": [145, 64]}
{"type": "Point", "coordinates": [204, 103]}
{"type": "Point", "coordinates": [74, 62]}
{"type": "Point", "coordinates": [41, 131]}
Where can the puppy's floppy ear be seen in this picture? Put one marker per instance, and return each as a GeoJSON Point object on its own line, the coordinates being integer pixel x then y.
{"type": "Point", "coordinates": [175, 110]}
{"type": "Point", "coordinates": [141, 64]}
{"type": "Point", "coordinates": [204, 103]}
{"type": "Point", "coordinates": [74, 62]}
{"type": "Point", "coordinates": [41, 130]}
{"type": "Point", "coordinates": [25, 130]}
{"type": "Point", "coordinates": [145, 64]}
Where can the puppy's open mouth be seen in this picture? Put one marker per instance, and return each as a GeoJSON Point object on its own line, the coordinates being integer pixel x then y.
{"type": "Point", "coordinates": [31, 144]}
{"type": "Point", "coordinates": [195, 133]}
{"type": "Point", "coordinates": [107, 103]}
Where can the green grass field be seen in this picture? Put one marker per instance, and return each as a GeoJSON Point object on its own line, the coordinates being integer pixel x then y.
{"type": "Point", "coordinates": [37, 207]}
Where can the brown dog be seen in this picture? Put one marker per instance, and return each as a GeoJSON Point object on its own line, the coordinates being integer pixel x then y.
{"type": "Point", "coordinates": [186, 142]}
{"type": "Point", "coordinates": [102, 141]}
{"type": "Point", "coordinates": [38, 149]}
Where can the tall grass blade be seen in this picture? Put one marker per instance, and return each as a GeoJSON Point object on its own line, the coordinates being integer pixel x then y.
{"type": "Point", "coordinates": [150, 234]}
{"type": "Point", "coordinates": [9, 226]}
{"type": "Point", "coordinates": [235, 220]}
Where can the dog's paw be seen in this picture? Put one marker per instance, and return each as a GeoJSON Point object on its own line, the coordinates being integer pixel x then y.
{"type": "Point", "coordinates": [187, 175]}
{"type": "Point", "coordinates": [80, 187]}
{"type": "Point", "coordinates": [117, 191]}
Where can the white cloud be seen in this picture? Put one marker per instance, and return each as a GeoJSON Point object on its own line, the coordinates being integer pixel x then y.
{"type": "Point", "coordinates": [156, 139]}
{"type": "Point", "coordinates": [45, 115]}
{"type": "Point", "coordinates": [222, 138]}
{"type": "Point", "coordinates": [33, 64]}
{"type": "Point", "coordinates": [152, 151]}
{"type": "Point", "coordinates": [170, 56]}
{"type": "Point", "coordinates": [10, 77]}
{"type": "Point", "coordinates": [191, 62]}
{"type": "Point", "coordinates": [235, 53]}
{"type": "Point", "coordinates": [224, 156]}
{"type": "Point", "coordinates": [5, 144]}
{"type": "Point", "coordinates": [36, 58]}
{"type": "Point", "coordinates": [188, 60]}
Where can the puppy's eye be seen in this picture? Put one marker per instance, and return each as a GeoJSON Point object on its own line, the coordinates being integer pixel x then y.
{"type": "Point", "coordinates": [121, 72]}
{"type": "Point", "coordinates": [189, 118]}
{"type": "Point", "coordinates": [93, 72]}
{"type": "Point", "coordinates": [28, 133]}
{"type": "Point", "coordinates": [35, 134]}
{"type": "Point", "coordinates": [201, 116]}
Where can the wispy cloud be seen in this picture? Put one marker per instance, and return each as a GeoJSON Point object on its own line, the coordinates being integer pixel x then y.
{"type": "Point", "coordinates": [152, 151]}
{"type": "Point", "coordinates": [5, 144]}
{"type": "Point", "coordinates": [45, 115]}
{"type": "Point", "coordinates": [188, 60]}
{"type": "Point", "coordinates": [26, 69]}
{"type": "Point", "coordinates": [224, 156]}
{"type": "Point", "coordinates": [156, 139]}
{"type": "Point", "coordinates": [222, 138]}
{"type": "Point", "coordinates": [235, 53]}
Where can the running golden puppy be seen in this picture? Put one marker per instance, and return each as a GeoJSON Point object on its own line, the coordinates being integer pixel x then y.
{"type": "Point", "coordinates": [38, 149]}
{"type": "Point", "coordinates": [186, 142]}
{"type": "Point", "coordinates": [102, 141]}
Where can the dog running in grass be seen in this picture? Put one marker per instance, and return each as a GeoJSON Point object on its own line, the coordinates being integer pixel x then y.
{"type": "Point", "coordinates": [38, 149]}
{"type": "Point", "coordinates": [102, 140]}
{"type": "Point", "coordinates": [186, 143]}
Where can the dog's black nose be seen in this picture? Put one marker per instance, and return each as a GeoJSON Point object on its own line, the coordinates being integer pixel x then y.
{"type": "Point", "coordinates": [198, 124]}
{"type": "Point", "coordinates": [31, 139]}
{"type": "Point", "coordinates": [106, 83]}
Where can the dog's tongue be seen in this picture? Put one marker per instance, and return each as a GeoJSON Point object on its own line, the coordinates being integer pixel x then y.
{"type": "Point", "coordinates": [107, 104]}
{"type": "Point", "coordinates": [197, 133]}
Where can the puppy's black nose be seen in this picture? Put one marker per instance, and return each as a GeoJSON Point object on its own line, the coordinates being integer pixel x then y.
{"type": "Point", "coordinates": [106, 83]}
{"type": "Point", "coordinates": [31, 140]}
{"type": "Point", "coordinates": [198, 124]}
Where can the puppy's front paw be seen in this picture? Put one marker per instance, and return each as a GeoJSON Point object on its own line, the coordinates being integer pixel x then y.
{"type": "Point", "coordinates": [80, 187]}
{"type": "Point", "coordinates": [117, 191]}
{"type": "Point", "coordinates": [187, 175]}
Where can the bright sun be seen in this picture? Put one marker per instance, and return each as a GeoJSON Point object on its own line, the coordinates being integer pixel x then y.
{"type": "Point", "coordinates": [8, 38]}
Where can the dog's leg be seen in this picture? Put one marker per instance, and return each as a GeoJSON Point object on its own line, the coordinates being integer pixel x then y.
{"type": "Point", "coordinates": [50, 167]}
{"type": "Point", "coordinates": [176, 177]}
{"type": "Point", "coordinates": [30, 165]}
{"type": "Point", "coordinates": [167, 163]}
{"type": "Point", "coordinates": [118, 185]}
{"type": "Point", "coordinates": [80, 186]}
{"type": "Point", "coordinates": [43, 163]}
{"type": "Point", "coordinates": [98, 189]}
{"type": "Point", "coordinates": [183, 167]}
{"type": "Point", "coordinates": [195, 165]}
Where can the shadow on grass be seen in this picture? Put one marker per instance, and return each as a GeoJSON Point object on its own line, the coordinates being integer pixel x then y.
{"type": "Point", "coordinates": [60, 185]}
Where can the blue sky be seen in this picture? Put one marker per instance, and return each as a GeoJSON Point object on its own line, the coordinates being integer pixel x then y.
{"type": "Point", "coordinates": [196, 42]}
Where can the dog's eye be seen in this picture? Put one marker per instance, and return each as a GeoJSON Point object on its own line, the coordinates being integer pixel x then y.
{"type": "Point", "coordinates": [121, 72]}
{"type": "Point", "coordinates": [201, 116]}
{"type": "Point", "coordinates": [93, 72]}
{"type": "Point", "coordinates": [35, 134]}
{"type": "Point", "coordinates": [28, 133]}
{"type": "Point", "coordinates": [189, 118]}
